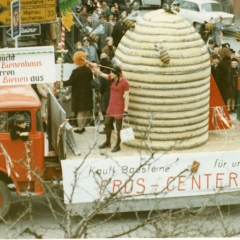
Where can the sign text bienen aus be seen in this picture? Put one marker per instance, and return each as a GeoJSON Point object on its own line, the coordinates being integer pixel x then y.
{"type": "Point", "coordinates": [27, 65]}
{"type": "Point", "coordinates": [163, 176]}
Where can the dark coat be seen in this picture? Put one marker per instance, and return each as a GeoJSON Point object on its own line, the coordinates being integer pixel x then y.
{"type": "Point", "coordinates": [119, 30]}
{"type": "Point", "coordinates": [224, 77]}
{"type": "Point", "coordinates": [104, 89]}
{"type": "Point", "coordinates": [234, 85]}
{"type": "Point", "coordinates": [214, 73]}
{"type": "Point", "coordinates": [15, 130]}
{"type": "Point", "coordinates": [80, 80]}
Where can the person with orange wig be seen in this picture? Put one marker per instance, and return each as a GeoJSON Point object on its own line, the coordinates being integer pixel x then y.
{"type": "Point", "coordinates": [82, 99]}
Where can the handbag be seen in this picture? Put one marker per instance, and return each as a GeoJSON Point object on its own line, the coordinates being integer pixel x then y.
{"type": "Point", "coordinates": [127, 134]}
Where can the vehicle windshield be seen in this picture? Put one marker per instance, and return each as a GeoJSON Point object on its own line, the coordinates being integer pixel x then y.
{"type": "Point", "coordinates": [211, 7]}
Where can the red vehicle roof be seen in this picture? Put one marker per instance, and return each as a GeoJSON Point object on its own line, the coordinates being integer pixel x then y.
{"type": "Point", "coordinates": [18, 96]}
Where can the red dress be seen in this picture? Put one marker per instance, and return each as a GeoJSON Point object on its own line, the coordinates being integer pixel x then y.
{"type": "Point", "coordinates": [116, 101]}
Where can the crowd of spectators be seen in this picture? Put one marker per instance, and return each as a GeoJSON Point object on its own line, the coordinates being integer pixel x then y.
{"type": "Point", "coordinates": [225, 69]}
{"type": "Point", "coordinates": [109, 14]}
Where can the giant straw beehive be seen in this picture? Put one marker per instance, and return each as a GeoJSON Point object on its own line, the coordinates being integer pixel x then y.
{"type": "Point", "coordinates": [171, 104]}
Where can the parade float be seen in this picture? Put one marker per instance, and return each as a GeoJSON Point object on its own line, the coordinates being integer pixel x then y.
{"type": "Point", "coordinates": [186, 149]}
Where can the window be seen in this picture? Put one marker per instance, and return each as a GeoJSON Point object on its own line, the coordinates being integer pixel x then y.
{"type": "Point", "coordinates": [211, 7]}
{"type": "Point", "coordinates": [194, 7]}
{"type": "Point", "coordinates": [216, 7]}
{"type": "Point", "coordinates": [7, 119]}
{"type": "Point", "coordinates": [3, 125]}
{"type": "Point", "coordinates": [39, 124]}
{"type": "Point", "coordinates": [185, 5]}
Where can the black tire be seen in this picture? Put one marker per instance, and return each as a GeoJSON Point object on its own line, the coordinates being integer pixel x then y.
{"type": "Point", "coordinates": [5, 199]}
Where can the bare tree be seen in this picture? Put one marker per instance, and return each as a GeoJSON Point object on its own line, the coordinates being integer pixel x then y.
{"type": "Point", "coordinates": [202, 222]}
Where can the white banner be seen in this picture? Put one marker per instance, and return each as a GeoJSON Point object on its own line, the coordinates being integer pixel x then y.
{"type": "Point", "coordinates": [169, 175]}
{"type": "Point", "coordinates": [27, 65]}
{"type": "Point", "coordinates": [64, 71]}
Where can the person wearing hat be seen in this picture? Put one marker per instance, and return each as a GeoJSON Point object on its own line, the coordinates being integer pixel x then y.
{"type": "Point", "coordinates": [211, 44]}
{"type": "Point", "coordinates": [127, 7]}
{"type": "Point", "coordinates": [90, 51]}
{"type": "Point", "coordinates": [82, 99]}
{"type": "Point", "coordinates": [118, 104]}
{"type": "Point", "coordinates": [235, 74]}
{"type": "Point", "coordinates": [215, 62]}
{"type": "Point", "coordinates": [103, 36]}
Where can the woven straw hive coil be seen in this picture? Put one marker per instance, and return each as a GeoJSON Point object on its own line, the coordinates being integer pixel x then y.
{"type": "Point", "coordinates": [169, 108]}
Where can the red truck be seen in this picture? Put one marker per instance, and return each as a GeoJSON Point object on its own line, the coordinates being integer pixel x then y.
{"type": "Point", "coordinates": [19, 158]}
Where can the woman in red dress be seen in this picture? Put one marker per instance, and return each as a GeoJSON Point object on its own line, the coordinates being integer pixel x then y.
{"type": "Point", "coordinates": [118, 104]}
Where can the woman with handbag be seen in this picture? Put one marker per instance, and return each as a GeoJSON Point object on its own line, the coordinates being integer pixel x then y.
{"type": "Point", "coordinates": [118, 104]}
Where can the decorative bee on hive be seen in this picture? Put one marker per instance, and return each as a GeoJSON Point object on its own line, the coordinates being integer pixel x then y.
{"type": "Point", "coordinates": [238, 36]}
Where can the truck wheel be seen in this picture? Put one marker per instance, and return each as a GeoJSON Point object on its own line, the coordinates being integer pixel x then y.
{"type": "Point", "coordinates": [5, 199]}
{"type": "Point", "coordinates": [137, 4]}
{"type": "Point", "coordinates": [197, 27]}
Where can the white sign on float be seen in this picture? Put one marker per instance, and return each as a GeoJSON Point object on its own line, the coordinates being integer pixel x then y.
{"type": "Point", "coordinates": [27, 65]}
{"type": "Point", "coordinates": [165, 176]}
{"type": "Point", "coordinates": [64, 71]}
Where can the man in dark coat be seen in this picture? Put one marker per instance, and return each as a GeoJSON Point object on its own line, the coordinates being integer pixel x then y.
{"type": "Point", "coordinates": [119, 30]}
{"type": "Point", "coordinates": [80, 80]}
{"type": "Point", "coordinates": [224, 73]}
{"type": "Point", "coordinates": [107, 33]}
{"type": "Point", "coordinates": [215, 62]}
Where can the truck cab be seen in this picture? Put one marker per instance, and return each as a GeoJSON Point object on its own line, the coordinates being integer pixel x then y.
{"type": "Point", "coordinates": [19, 160]}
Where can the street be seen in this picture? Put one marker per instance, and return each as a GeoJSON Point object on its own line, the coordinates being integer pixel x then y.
{"type": "Point", "coordinates": [39, 222]}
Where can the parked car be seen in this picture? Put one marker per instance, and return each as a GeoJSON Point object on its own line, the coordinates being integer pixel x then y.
{"type": "Point", "coordinates": [198, 11]}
